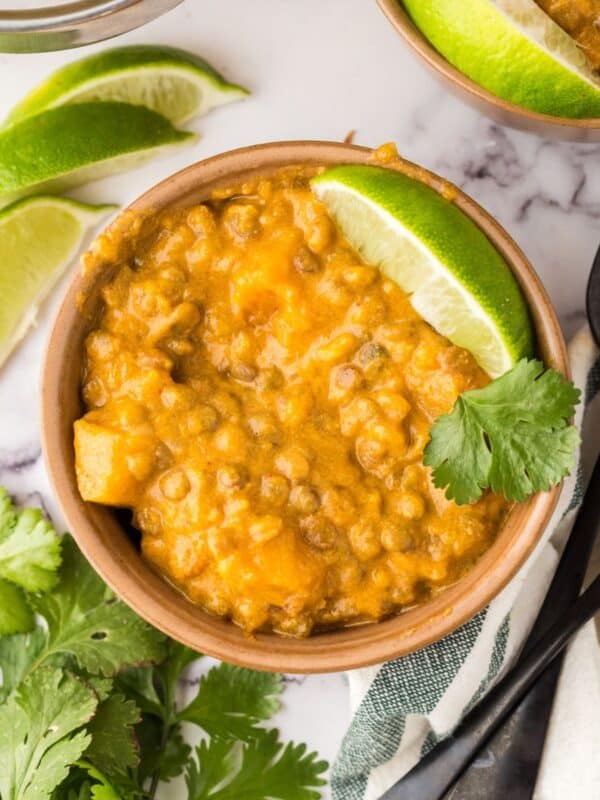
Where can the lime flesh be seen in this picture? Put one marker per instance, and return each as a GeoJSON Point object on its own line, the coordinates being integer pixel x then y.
{"type": "Point", "coordinates": [70, 145]}
{"type": "Point", "coordinates": [458, 281]}
{"type": "Point", "coordinates": [172, 82]}
{"type": "Point", "coordinates": [39, 237]}
{"type": "Point", "coordinates": [513, 49]}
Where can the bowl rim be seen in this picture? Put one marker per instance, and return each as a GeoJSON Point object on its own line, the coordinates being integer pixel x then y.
{"type": "Point", "coordinates": [153, 598]}
{"type": "Point", "coordinates": [401, 21]}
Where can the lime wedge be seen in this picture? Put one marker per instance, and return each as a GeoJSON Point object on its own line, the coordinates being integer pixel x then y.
{"type": "Point", "coordinates": [39, 237]}
{"type": "Point", "coordinates": [172, 82]}
{"type": "Point", "coordinates": [513, 49]}
{"type": "Point", "coordinates": [70, 145]}
{"type": "Point", "coordinates": [457, 280]}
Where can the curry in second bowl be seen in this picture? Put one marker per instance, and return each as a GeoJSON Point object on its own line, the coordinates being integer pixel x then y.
{"type": "Point", "coordinates": [541, 55]}
{"type": "Point", "coordinates": [260, 398]}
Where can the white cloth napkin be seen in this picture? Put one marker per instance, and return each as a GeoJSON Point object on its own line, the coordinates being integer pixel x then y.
{"type": "Point", "coordinates": [402, 708]}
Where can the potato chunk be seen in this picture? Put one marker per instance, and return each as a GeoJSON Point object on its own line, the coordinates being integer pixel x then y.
{"type": "Point", "coordinates": [108, 464]}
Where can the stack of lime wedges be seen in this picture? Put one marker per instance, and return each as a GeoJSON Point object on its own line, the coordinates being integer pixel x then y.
{"type": "Point", "coordinates": [513, 49]}
{"type": "Point", "coordinates": [457, 280]}
{"type": "Point", "coordinates": [104, 114]}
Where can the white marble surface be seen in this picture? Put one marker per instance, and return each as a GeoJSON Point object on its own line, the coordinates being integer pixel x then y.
{"type": "Point", "coordinates": [318, 69]}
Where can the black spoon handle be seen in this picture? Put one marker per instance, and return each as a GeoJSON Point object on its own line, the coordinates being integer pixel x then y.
{"type": "Point", "coordinates": [517, 745]}
{"type": "Point", "coordinates": [508, 764]}
{"type": "Point", "coordinates": [436, 773]}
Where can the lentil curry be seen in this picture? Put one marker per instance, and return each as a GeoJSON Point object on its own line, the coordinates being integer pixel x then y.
{"type": "Point", "coordinates": [261, 398]}
{"type": "Point", "coordinates": [581, 20]}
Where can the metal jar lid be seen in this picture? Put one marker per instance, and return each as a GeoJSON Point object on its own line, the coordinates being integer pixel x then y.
{"type": "Point", "coordinates": [74, 24]}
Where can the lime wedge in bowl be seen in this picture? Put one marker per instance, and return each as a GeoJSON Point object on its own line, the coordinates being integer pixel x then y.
{"type": "Point", "coordinates": [172, 82]}
{"type": "Point", "coordinates": [39, 237]}
{"type": "Point", "coordinates": [72, 144]}
{"type": "Point", "coordinates": [458, 282]}
{"type": "Point", "coordinates": [513, 49]}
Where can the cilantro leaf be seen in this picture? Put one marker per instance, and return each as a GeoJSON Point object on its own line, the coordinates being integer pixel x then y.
{"type": "Point", "coordinates": [512, 436]}
{"type": "Point", "coordinates": [163, 750]}
{"type": "Point", "coordinates": [69, 791]}
{"type": "Point", "coordinates": [215, 761]}
{"type": "Point", "coordinates": [138, 684]}
{"type": "Point", "coordinates": [174, 756]}
{"type": "Point", "coordinates": [103, 687]}
{"type": "Point", "coordinates": [160, 756]}
{"type": "Point", "coordinates": [114, 747]}
{"type": "Point", "coordinates": [16, 615]}
{"type": "Point", "coordinates": [79, 786]}
{"type": "Point", "coordinates": [86, 621]}
{"type": "Point", "coordinates": [260, 770]}
{"type": "Point", "coordinates": [29, 547]}
{"type": "Point", "coordinates": [110, 789]}
{"type": "Point", "coordinates": [17, 653]}
{"type": "Point", "coordinates": [179, 657]}
{"type": "Point", "coordinates": [231, 701]}
{"type": "Point", "coordinates": [102, 790]}
{"type": "Point", "coordinates": [40, 736]}
{"type": "Point", "coordinates": [153, 688]}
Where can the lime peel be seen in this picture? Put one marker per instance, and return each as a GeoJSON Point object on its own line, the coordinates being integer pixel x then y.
{"type": "Point", "coordinates": [39, 237]}
{"type": "Point", "coordinates": [533, 22]}
{"type": "Point", "coordinates": [513, 49]}
{"type": "Point", "coordinates": [68, 145]}
{"type": "Point", "coordinates": [177, 84]}
{"type": "Point", "coordinates": [457, 280]}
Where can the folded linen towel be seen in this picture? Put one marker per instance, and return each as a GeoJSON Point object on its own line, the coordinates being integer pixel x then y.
{"type": "Point", "coordinates": [403, 707]}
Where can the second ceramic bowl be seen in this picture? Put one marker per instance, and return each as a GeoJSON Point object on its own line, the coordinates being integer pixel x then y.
{"type": "Point", "coordinates": [73, 24]}
{"type": "Point", "coordinates": [112, 551]}
{"type": "Point", "coordinates": [580, 130]}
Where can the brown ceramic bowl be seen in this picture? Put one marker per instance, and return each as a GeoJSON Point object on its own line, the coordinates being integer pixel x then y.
{"type": "Point", "coordinates": [112, 551]}
{"type": "Point", "coordinates": [578, 130]}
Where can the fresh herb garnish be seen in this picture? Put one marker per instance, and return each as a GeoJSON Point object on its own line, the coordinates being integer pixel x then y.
{"type": "Point", "coordinates": [513, 436]}
{"type": "Point", "coordinates": [29, 559]}
{"type": "Point", "coordinates": [87, 698]}
{"type": "Point", "coordinates": [87, 623]}
{"type": "Point", "coordinates": [42, 732]}
{"type": "Point", "coordinates": [225, 770]}
{"type": "Point", "coordinates": [227, 689]}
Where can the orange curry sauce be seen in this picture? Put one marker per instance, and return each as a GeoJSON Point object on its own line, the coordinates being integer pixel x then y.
{"type": "Point", "coordinates": [261, 398]}
{"type": "Point", "coordinates": [581, 20]}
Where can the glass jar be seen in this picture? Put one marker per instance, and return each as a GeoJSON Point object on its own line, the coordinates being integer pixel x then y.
{"type": "Point", "coordinates": [72, 24]}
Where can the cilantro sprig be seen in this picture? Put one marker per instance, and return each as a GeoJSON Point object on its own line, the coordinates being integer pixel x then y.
{"type": "Point", "coordinates": [225, 770]}
{"type": "Point", "coordinates": [513, 436]}
{"type": "Point", "coordinates": [42, 733]}
{"type": "Point", "coordinates": [226, 689]}
{"type": "Point", "coordinates": [29, 559]}
{"type": "Point", "coordinates": [88, 707]}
